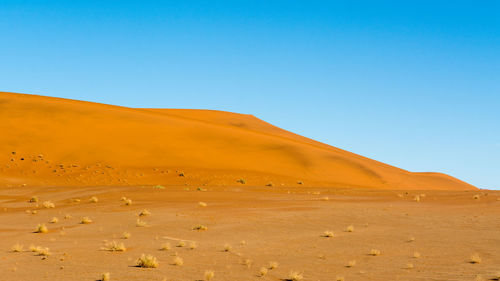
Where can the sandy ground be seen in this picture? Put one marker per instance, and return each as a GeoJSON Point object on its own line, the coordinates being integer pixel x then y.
{"type": "Point", "coordinates": [277, 224]}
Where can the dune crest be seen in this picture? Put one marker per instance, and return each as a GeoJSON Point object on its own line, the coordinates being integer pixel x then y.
{"type": "Point", "coordinates": [53, 141]}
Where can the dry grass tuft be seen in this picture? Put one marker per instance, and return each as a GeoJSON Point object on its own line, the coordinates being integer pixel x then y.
{"type": "Point", "coordinates": [263, 271]}
{"type": "Point", "coordinates": [43, 251]}
{"type": "Point", "coordinates": [123, 198]}
{"type": "Point", "coordinates": [86, 220]}
{"type": "Point", "coordinates": [193, 245]}
{"type": "Point", "coordinates": [202, 204]}
{"type": "Point", "coordinates": [144, 213]}
{"type": "Point", "coordinates": [67, 217]}
{"type": "Point", "coordinates": [374, 252]}
{"type": "Point", "coordinates": [350, 228]}
{"type": "Point", "coordinates": [248, 262]}
{"type": "Point", "coordinates": [475, 258]}
{"type": "Point", "coordinates": [128, 202]}
{"type": "Point", "coordinates": [48, 204]}
{"type": "Point", "coordinates": [227, 248]}
{"type": "Point", "coordinates": [140, 223]}
{"type": "Point", "coordinates": [54, 220]}
{"type": "Point", "coordinates": [41, 228]}
{"type": "Point", "coordinates": [200, 227]}
{"type": "Point", "coordinates": [126, 235]}
{"type": "Point", "coordinates": [409, 266]}
{"type": "Point", "coordinates": [328, 234]}
{"type": "Point", "coordinates": [209, 274]}
{"type": "Point", "coordinates": [17, 248]}
{"type": "Point", "coordinates": [273, 265]}
{"type": "Point", "coordinates": [181, 244]}
{"type": "Point", "coordinates": [93, 199]}
{"type": "Point", "coordinates": [113, 246]}
{"type": "Point", "coordinates": [417, 198]}
{"type": "Point", "coordinates": [165, 247]}
{"type": "Point", "coordinates": [178, 261]}
{"type": "Point", "coordinates": [416, 255]}
{"type": "Point", "coordinates": [339, 278]}
{"type": "Point", "coordinates": [147, 261]}
{"type": "Point", "coordinates": [294, 276]}
{"type": "Point", "coordinates": [33, 199]}
{"type": "Point", "coordinates": [476, 197]}
{"type": "Point", "coordinates": [105, 277]}
{"type": "Point", "coordinates": [411, 239]}
{"type": "Point", "coordinates": [351, 264]}
{"type": "Point", "coordinates": [242, 181]}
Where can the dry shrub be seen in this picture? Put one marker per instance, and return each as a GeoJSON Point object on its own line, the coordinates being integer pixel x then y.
{"type": "Point", "coordinates": [374, 252]}
{"type": "Point", "coordinates": [178, 261]}
{"type": "Point", "coordinates": [86, 220]}
{"type": "Point", "coordinates": [294, 276]}
{"type": "Point", "coordinates": [263, 271]}
{"type": "Point", "coordinates": [140, 223]}
{"type": "Point", "coordinates": [147, 261]}
{"type": "Point", "coordinates": [105, 277]}
{"type": "Point", "coordinates": [113, 246]}
{"type": "Point", "coordinates": [273, 265]}
{"type": "Point", "coordinates": [475, 258]}
{"type": "Point", "coordinates": [200, 227]}
{"type": "Point", "coordinates": [17, 248]}
{"type": "Point", "coordinates": [328, 234]}
{"type": "Point", "coordinates": [41, 228]}
{"type": "Point", "coordinates": [209, 274]}
{"type": "Point", "coordinates": [165, 247]}
{"type": "Point", "coordinates": [48, 204]}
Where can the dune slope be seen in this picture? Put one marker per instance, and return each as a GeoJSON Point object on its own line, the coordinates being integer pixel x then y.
{"type": "Point", "coordinates": [52, 141]}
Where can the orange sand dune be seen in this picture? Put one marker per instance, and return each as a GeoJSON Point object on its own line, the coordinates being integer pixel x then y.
{"type": "Point", "coordinates": [60, 142]}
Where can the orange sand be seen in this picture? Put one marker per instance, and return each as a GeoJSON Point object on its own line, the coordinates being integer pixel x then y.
{"type": "Point", "coordinates": [60, 142]}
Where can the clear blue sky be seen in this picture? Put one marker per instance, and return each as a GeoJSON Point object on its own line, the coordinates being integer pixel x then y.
{"type": "Point", "coordinates": [415, 84]}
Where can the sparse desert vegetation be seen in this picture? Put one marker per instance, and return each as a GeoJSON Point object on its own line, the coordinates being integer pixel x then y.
{"type": "Point", "coordinates": [141, 223]}
{"type": "Point", "coordinates": [114, 246]}
{"type": "Point", "coordinates": [85, 220]}
{"type": "Point", "coordinates": [328, 234]}
{"type": "Point", "coordinates": [227, 248]}
{"type": "Point", "coordinates": [475, 258]}
{"type": "Point", "coordinates": [144, 213]}
{"type": "Point", "coordinates": [294, 276]}
{"type": "Point", "coordinates": [374, 252]}
{"type": "Point", "coordinates": [54, 220]}
{"type": "Point", "coordinates": [350, 228]}
{"type": "Point", "coordinates": [106, 277]}
{"type": "Point", "coordinates": [202, 204]}
{"type": "Point", "coordinates": [147, 261]}
{"type": "Point", "coordinates": [209, 275]}
{"type": "Point", "coordinates": [273, 265]}
{"type": "Point", "coordinates": [178, 261]}
{"type": "Point", "coordinates": [351, 263]}
{"type": "Point", "coordinates": [200, 227]}
{"type": "Point", "coordinates": [41, 228]}
{"type": "Point", "coordinates": [165, 247]}
{"type": "Point", "coordinates": [93, 199]}
{"type": "Point", "coordinates": [263, 271]}
{"type": "Point", "coordinates": [48, 204]}
{"type": "Point", "coordinates": [126, 235]}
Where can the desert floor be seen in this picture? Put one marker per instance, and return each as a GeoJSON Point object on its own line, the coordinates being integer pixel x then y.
{"type": "Point", "coordinates": [260, 224]}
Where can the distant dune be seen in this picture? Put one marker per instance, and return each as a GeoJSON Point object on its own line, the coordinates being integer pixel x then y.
{"type": "Point", "coordinates": [60, 142]}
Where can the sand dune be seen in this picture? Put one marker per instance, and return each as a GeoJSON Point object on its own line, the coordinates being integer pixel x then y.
{"type": "Point", "coordinates": [52, 141]}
